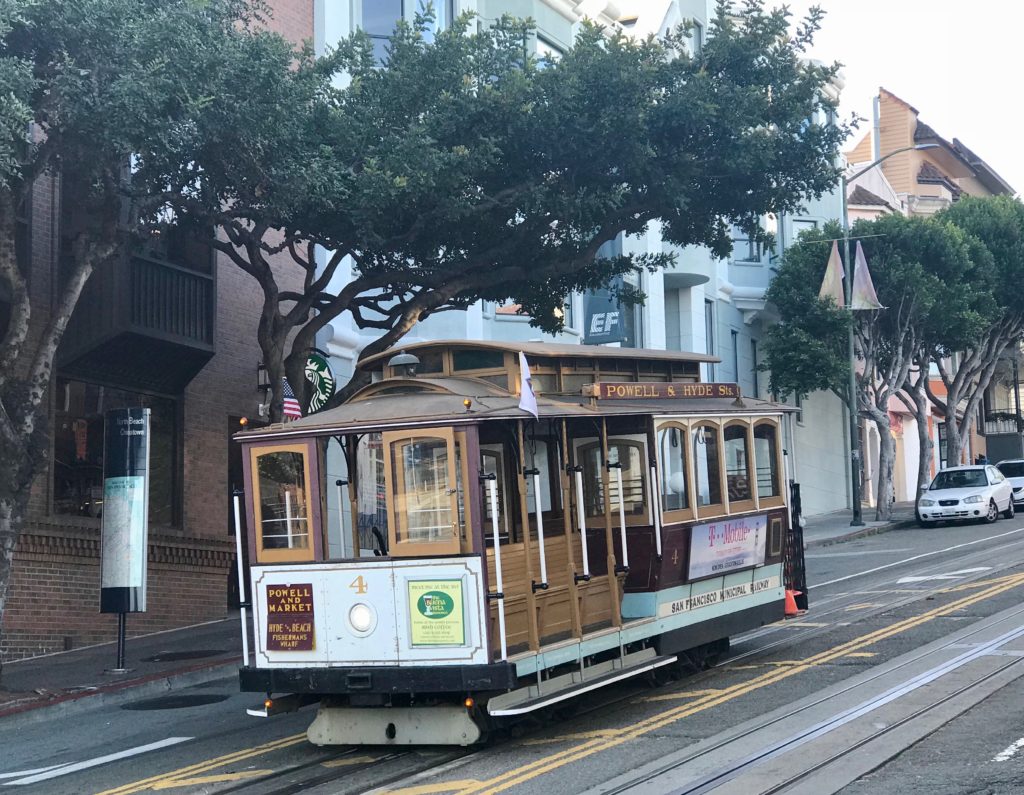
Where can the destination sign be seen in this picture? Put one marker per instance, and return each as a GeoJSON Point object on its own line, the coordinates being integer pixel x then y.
{"type": "Point", "coordinates": [680, 390]}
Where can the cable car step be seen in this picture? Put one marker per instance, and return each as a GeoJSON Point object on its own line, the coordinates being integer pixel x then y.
{"type": "Point", "coordinates": [561, 688]}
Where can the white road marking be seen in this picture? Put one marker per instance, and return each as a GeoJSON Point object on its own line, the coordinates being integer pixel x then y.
{"type": "Point", "coordinates": [916, 557]}
{"type": "Point", "coordinates": [20, 773]}
{"type": "Point", "coordinates": [74, 767]}
{"type": "Point", "coordinates": [855, 554]}
{"type": "Point", "coordinates": [950, 575]}
{"type": "Point", "coordinates": [1009, 751]}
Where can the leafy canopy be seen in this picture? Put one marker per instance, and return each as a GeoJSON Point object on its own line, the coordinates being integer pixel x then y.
{"type": "Point", "coordinates": [463, 169]}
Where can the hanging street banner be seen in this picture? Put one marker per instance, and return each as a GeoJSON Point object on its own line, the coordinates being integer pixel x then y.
{"type": "Point", "coordinates": [290, 618]}
{"type": "Point", "coordinates": [680, 390]}
{"type": "Point", "coordinates": [727, 545]}
{"type": "Point", "coordinates": [322, 382]}
{"type": "Point", "coordinates": [436, 615]}
{"type": "Point", "coordinates": [124, 541]}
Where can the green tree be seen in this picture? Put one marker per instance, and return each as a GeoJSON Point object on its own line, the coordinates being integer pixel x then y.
{"type": "Point", "coordinates": [463, 169]}
{"type": "Point", "coordinates": [933, 294]}
{"type": "Point", "coordinates": [997, 224]}
{"type": "Point", "coordinates": [84, 86]}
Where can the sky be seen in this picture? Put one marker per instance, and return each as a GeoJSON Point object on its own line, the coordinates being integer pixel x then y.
{"type": "Point", "coordinates": [958, 63]}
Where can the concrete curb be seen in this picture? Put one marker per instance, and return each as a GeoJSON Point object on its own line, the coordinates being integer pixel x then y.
{"type": "Point", "coordinates": [863, 532]}
{"type": "Point", "coordinates": [117, 693]}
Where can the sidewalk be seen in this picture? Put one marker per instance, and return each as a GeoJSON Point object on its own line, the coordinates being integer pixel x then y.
{"type": "Point", "coordinates": [834, 528]}
{"type": "Point", "coordinates": [179, 658]}
{"type": "Point", "coordinates": [157, 663]}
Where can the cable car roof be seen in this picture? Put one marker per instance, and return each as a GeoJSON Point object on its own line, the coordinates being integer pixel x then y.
{"type": "Point", "coordinates": [430, 402]}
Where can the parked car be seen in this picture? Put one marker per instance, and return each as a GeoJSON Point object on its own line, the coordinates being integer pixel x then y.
{"type": "Point", "coordinates": [966, 493]}
{"type": "Point", "coordinates": [1013, 469]}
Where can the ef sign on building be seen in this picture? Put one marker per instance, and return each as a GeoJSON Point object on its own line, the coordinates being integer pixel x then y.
{"type": "Point", "coordinates": [125, 511]}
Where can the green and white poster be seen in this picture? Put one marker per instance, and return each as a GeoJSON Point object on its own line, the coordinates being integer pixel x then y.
{"type": "Point", "coordinates": [436, 614]}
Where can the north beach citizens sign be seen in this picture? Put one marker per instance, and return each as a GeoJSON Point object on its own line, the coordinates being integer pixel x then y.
{"type": "Point", "coordinates": [125, 537]}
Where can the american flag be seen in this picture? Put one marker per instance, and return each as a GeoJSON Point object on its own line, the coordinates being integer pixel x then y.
{"type": "Point", "coordinates": [292, 411]}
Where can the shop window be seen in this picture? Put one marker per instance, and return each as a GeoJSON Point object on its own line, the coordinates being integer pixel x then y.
{"type": "Point", "coordinates": [706, 469]}
{"type": "Point", "coordinates": [675, 490]}
{"type": "Point", "coordinates": [78, 449]}
{"type": "Point", "coordinates": [737, 463]}
{"type": "Point", "coordinates": [281, 481]}
{"type": "Point", "coordinates": [766, 456]}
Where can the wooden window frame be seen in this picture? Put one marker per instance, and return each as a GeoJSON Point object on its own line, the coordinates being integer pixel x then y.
{"type": "Point", "coordinates": [682, 514]}
{"type": "Point", "coordinates": [718, 508]}
{"type": "Point", "coordinates": [413, 549]}
{"type": "Point", "coordinates": [632, 520]}
{"type": "Point", "coordinates": [779, 500]}
{"type": "Point", "coordinates": [751, 504]}
{"type": "Point", "coordinates": [314, 550]}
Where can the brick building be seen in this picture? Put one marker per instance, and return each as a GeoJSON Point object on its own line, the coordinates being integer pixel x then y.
{"type": "Point", "coordinates": [171, 328]}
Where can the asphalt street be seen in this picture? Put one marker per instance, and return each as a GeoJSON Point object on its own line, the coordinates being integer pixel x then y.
{"type": "Point", "coordinates": [888, 604]}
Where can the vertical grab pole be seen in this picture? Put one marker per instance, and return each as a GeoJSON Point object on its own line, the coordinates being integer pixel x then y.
{"type": "Point", "coordinates": [582, 519]}
{"type": "Point", "coordinates": [288, 516]}
{"type": "Point", "coordinates": [492, 493]}
{"type": "Point", "coordinates": [624, 568]}
{"type": "Point", "coordinates": [341, 516]}
{"type": "Point", "coordinates": [543, 584]}
{"type": "Point", "coordinates": [655, 492]}
{"type": "Point", "coordinates": [241, 581]}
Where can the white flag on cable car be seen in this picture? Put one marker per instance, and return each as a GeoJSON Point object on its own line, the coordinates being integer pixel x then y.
{"type": "Point", "coordinates": [527, 398]}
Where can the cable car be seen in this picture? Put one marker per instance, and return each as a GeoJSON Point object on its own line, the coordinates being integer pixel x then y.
{"type": "Point", "coordinates": [429, 560]}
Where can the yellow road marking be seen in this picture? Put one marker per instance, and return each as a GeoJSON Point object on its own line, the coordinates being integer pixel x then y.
{"type": "Point", "coordinates": [559, 759]}
{"type": "Point", "coordinates": [685, 694]}
{"type": "Point", "coordinates": [444, 786]}
{"type": "Point", "coordinates": [862, 654]}
{"type": "Point", "coordinates": [349, 760]}
{"type": "Point", "coordinates": [216, 779]}
{"type": "Point", "coordinates": [562, 738]}
{"type": "Point", "coordinates": [209, 764]}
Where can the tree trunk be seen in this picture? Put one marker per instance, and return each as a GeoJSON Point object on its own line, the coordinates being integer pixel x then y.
{"type": "Point", "coordinates": [915, 398]}
{"type": "Point", "coordinates": [12, 512]}
{"type": "Point", "coordinates": [886, 463]}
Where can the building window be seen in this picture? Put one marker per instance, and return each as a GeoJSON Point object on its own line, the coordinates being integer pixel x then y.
{"type": "Point", "coordinates": [78, 449]}
{"type": "Point", "coordinates": [799, 401]}
{"type": "Point", "coordinates": [753, 356]}
{"type": "Point", "coordinates": [709, 335]}
{"type": "Point", "coordinates": [697, 38]}
{"type": "Point", "coordinates": [744, 247]}
{"type": "Point", "coordinates": [378, 21]}
{"type": "Point", "coordinates": [801, 225]}
{"type": "Point", "coordinates": [736, 352]}
{"type": "Point", "coordinates": [547, 53]}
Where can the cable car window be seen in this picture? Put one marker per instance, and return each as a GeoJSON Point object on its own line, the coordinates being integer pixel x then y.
{"type": "Point", "coordinates": [737, 463]}
{"type": "Point", "coordinates": [474, 359]}
{"type": "Point", "coordinates": [766, 456]}
{"type": "Point", "coordinates": [630, 456]}
{"type": "Point", "coordinates": [707, 474]}
{"type": "Point", "coordinates": [371, 490]}
{"type": "Point", "coordinates": [282, 503]}
{"type": "Point", "coordinates": [492, 462]}
{"type": "Point", "coordinates": [423, 492]}
{"type": "Point", "coordinates": [675, 491]}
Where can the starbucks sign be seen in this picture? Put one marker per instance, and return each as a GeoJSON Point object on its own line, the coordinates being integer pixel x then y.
{"type": "Point", "coordinates": [321, 381]}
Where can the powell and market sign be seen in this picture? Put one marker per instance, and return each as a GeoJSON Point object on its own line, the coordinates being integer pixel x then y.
{"type": "Point", "coordinates": [685, 390]}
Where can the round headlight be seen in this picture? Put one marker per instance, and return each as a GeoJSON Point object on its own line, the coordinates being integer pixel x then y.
{"type": "Point", "coordinates": [360, 616]}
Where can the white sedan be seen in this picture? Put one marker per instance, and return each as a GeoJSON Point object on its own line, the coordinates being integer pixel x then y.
{"type": "Point", "coordinates": [971, 492]}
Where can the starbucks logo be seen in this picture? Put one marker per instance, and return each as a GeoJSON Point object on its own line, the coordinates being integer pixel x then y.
{"type": "Point", "coordinates": [321, 381]}
{"type": "Point", "coordinates": [435, 604]}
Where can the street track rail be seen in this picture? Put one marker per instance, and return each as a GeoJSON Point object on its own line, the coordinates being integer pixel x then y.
{"type": "Point", "coordinates": [709, 783]}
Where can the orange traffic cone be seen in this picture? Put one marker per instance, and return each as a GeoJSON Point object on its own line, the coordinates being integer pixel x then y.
{"type": "Point", "coordinates": [791, 608]}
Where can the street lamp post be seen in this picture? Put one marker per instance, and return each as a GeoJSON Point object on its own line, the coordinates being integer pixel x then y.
{"type": "Point", "coordinates": [851, 403]}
